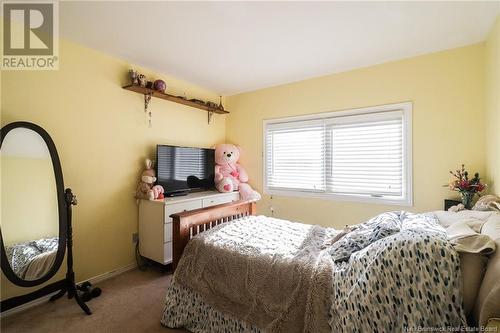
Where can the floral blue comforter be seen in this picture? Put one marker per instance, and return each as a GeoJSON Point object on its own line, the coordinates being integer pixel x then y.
{"type": "Point", "coordinates": [406, 277]}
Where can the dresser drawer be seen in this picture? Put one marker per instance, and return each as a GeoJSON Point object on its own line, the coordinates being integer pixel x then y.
{"type": "Point", "coordinates": [167, 232]}
{"type": "Point", "coordinates": [218, 200]}
{"type": "Point", "coordinates": [167, 253]}
{"type": "Point", "coordinates": [235, 196]}
{"type": "Point", "coordinates": [180, 207]}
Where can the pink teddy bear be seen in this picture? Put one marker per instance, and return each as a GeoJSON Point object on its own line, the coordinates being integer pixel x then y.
{"type": "Point", "coordinates": [230, 175]}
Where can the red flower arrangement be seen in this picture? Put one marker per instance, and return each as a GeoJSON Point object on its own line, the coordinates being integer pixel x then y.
{"type": "Point", "coordinates": [467, 187]}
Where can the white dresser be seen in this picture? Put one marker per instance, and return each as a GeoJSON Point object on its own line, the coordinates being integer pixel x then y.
{"type": "Point", "coordinates": [155, 223]}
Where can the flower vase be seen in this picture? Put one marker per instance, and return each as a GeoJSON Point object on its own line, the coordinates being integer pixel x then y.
{"type": "Point", "coordinates": [467, 199]}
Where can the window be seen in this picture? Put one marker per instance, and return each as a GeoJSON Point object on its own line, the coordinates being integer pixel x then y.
{"type": "Point", "coordinates": [361, 155]}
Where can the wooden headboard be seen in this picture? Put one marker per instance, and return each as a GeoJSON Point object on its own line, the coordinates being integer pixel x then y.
{"type": "Point", "coordinates": [188, 224]}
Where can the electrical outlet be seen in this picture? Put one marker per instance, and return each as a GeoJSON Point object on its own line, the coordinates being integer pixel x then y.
{"type": "Point", "coordinates": [135, 237]}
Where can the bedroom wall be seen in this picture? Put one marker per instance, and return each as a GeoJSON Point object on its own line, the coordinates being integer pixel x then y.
{"type": "Point", "coordinates": [447, 91]}
{"type": "Point", "coordinates": [492, 52]}
{"type": "Point", "coordinates": [102, 137]}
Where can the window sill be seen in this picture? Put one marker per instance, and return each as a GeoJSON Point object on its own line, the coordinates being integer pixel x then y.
{"type": "Point", "coordinates": [403, 202]}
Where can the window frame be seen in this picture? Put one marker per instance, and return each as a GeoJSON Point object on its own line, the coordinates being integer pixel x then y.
{"type": "Point", "coordinates": [405, 200]}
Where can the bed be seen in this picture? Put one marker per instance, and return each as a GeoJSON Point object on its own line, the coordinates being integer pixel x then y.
{"type": "Point", "coordinates": [237, 272]}
{"type": "Point", "coordinates": [33, 259]}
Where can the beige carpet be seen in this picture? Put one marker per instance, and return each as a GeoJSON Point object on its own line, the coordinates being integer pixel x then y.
{"type": "Point", "coordinates": [131, 302]}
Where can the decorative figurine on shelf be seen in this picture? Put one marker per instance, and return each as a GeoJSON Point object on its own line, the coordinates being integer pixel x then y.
{"type": "Point", "coordinates": [198, 101]}
{"type": "Point", "coordinates": [468, 188]}
{"type": "Point", "coordinates": [146, 188]}
{"type": "Point", "coordinates": [160, 85]}
{"type": "Point", "coordinates": [230, 175]}
{"type": "Point", "coordinates": [212, 105]}
{"type": "Point", "coordinates": [142, 80]}
{"type": "Point", "coordinates": [220, 107]}
{"type": "Point", "coordinates": [133, 76]}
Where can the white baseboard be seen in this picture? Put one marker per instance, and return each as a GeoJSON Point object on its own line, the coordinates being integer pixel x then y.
{"type": "Point", "coordinates": [93, 280]}
{"type": "Point", "coordinates": [109, 275]}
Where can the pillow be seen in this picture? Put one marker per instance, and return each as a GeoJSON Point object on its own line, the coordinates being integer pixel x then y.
{"type": "Point", "coordinates": [488, 202]}
{"type": "Point", "coordinates": [465, 239]}
{"type": "Point", "coordinates": [488, 299]}
{"type": "Point", "coordinates": [474, 219]}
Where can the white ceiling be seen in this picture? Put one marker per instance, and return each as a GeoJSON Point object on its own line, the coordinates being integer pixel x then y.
{"type": "Point", "coordinates": [232, 47]}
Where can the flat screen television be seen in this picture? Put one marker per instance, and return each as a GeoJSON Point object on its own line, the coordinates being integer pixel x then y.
{"type": "Point", "coordinates": [183, 169]}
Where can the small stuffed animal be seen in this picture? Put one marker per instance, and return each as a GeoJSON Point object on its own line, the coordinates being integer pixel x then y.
{"type": "Point", "coordinates": [230, 175]}
{"type": "Point", "coordinates": [457, 208]}
{"type": "Point", "coordinates": [142, 80]}
{"type": "Point", "coordinates": [146, 188]}
{"type": "Point", "coordinates": [158, 192]}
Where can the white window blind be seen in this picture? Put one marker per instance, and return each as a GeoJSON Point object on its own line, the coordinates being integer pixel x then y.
{"type": "Point", "coordinates": [361, 153]}
{"type": "Point", "coordinates": [367, 154]}
{"type": "Point", "coordinates": [296, 155]}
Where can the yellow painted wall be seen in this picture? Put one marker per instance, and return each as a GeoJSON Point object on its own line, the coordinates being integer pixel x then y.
{"type": "Point", "coordinates": [492, 52]}
{"type": "Point", "coordinates": [29, 199]}
{"type": "Point", "coordinates": [102, 138]}
{"type": "Point", "coordinates": [447, 91]}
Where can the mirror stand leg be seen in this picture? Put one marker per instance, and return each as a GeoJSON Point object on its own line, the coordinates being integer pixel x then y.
{"type": "Point", "coordinates": [70, 287]}
{"type": "Point", "coordinates": [58, 295]}
{"type": "Point", "coordinates": [70, 276]}
{"type": "Point", "coordinates": [80, 302]}
{"type": "Point", "coordinates": [72, 292]}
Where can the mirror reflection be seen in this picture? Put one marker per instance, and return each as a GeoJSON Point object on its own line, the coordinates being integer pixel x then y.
{"type": "Point", "coordinates": [29, 210]}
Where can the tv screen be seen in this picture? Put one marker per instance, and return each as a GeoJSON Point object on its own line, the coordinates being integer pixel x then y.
{"type": "Point", "coordinates": [181, 169]}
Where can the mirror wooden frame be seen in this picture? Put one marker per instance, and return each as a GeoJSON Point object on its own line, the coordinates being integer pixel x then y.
{"type": "Point", "coordinates": [65, 200]}
{"type": "Point", "coordinates": [61, 250]}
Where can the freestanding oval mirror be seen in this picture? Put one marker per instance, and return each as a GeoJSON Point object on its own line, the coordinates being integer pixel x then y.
{"type": "Point", "coordinates": [33, 215]}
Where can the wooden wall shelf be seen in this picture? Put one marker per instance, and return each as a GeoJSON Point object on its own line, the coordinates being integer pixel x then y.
{"type": "Point", "coordinates": [172, 98]}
